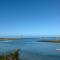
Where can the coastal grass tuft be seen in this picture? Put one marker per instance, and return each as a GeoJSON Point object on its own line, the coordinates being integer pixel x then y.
{"type": "Point", "coordinates": [11, 56]}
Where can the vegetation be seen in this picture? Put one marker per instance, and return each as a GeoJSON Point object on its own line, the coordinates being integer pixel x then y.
{"type": "Point", "coordinates": [11, 56]}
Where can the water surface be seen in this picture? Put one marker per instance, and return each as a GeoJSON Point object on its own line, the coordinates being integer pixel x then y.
{"type": "Point", "coordinates": [32, 50]}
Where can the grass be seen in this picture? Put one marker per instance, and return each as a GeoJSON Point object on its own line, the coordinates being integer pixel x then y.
{"type": "Point", "coordinates": [11, 56]}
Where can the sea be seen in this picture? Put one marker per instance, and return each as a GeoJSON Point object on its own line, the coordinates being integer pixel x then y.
{"type": "Point", "coordinates": [30, 49]}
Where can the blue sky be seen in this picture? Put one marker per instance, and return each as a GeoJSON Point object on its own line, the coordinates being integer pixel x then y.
{"type": "Point", "coordinates": [29, 17]}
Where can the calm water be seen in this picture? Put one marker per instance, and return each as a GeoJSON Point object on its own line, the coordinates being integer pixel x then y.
{"type": "Point", "coordinates": [32, 50]}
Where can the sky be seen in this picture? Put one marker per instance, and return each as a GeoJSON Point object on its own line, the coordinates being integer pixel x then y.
{"type": "Point", "coordinates": [29, 17]}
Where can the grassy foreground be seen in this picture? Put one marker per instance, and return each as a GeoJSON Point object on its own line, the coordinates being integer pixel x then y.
{"type": "Point", "coordinates": [11, 56]}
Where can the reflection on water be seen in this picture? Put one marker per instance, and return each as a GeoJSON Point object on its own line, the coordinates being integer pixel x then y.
{"type": "Point", "coordinates": [32, 50]}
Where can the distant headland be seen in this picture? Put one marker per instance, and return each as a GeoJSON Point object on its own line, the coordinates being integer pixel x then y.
{"type": "Point", "coordinates": [8, 38]}
{"type": "Point", "coordinates": [52, 41]}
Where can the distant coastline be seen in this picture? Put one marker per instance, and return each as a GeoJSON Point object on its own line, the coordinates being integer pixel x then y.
{"type": "Point", "coordinates": [53, 41]}
{"type": "Point", "coordinates": [8, 38]}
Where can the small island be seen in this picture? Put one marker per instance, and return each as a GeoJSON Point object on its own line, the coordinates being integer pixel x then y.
{"type": "Point", "coordinates": [8, 38]}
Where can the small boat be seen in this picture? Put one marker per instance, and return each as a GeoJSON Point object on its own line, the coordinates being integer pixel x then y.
{"type": "Point", "coordinates": [57, 49]}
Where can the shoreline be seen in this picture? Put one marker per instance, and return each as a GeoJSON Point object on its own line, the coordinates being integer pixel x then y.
{"type": "Point", "coordinates": [8, 38]}
{"type": "Point", "coordinates": [52, 41]}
